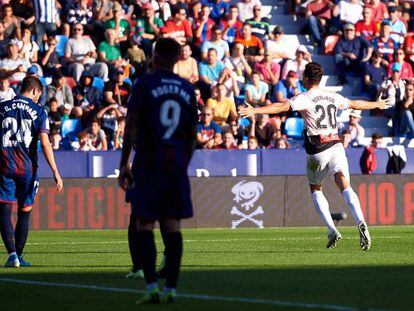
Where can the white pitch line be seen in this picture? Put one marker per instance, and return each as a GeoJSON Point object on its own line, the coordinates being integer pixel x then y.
{"type": "Point", "coordinates": [216, 240]}
{"type": "Point", "coordinates": [279, 303]}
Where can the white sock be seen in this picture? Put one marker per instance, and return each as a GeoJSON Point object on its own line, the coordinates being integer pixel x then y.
{"type": "Point", "coordinates": [322, 207]}
{"type": "Point", "coordinates": [11, 254]}
{"type": "Point", "coordinates": [352, 200]}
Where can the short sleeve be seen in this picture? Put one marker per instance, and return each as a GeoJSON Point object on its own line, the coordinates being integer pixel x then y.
{"type": "Point", "coordinates": [298, 102]}
{"type": "Point", "coordinates": [343, 102]}
{"type": "Point", "coordinates": [217, 128]}
{"type": "Point", "coordinates": [92, 46]}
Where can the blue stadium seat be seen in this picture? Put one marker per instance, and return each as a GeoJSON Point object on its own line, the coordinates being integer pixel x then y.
{"type": "Point", "coordinates": [294, 127]}
{"type": "Point", "coordinates": [98, 83]}
{"type": "Point", "coordinates": [128, 81]}
{"type": "Point", "coordinates": [70, 129]}
{"type": "Point", "coordinates": [61, 43]}
{"type": "Point", "coordinates": [244, 122]}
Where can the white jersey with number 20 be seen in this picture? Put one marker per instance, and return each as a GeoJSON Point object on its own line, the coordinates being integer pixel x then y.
{"type": "Point", "coordinates": [319, 109]}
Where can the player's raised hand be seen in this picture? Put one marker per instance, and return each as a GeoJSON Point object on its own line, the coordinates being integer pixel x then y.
{"type": "Point", "coordinates": [383, 103]}
{"type": "Point", "coordinates": [59, 182]}
{"type": "Point", "coordinates": [125, 178]}
{"type": "Point", "coordinates": [246, 111]}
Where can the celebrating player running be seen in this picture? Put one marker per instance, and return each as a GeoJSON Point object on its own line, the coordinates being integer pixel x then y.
{"type": "Point", "coordinates": [326, 154]}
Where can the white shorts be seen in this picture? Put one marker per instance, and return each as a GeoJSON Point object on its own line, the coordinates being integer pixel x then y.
{"type": "Point", "coordinates": [328, 162]}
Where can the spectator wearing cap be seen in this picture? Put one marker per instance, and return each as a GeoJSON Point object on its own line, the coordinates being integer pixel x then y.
{"type": "Point", "coordinates": [398, 28]}
{"type": "Point", "coordinates": [218, 9]}
{"type": "Point", "coordinates": [406, 69]}
{"type": "Point", "coordinates": [303, 57]}
{"type": "Point", "coordinates": [350, 11]}
{"type": "Point", "coordinates": [60, 90]}
{"type": "Point", "coordinates": [318, 14]}
{"type": "Point", "coordinates": [230, 24]}
{"type": "Point", "coordinates": [4, 41]}
{"type": "Point", "coordinates": [178, 26]}
{"type": "Point", "coordinates": [384, 43]}
{"type": "Point", "coordinates": [6, 92]}
{"type": "Point", "coordinates": [116, 91]}
{"type": "Point", "coordinates": [379, 10]}
{"type": "Point", "coordinates": [246, 9]}
{"type": "Point", "coordinates": [260, 25]}
{"type": "Point", "coordinates": [366, 27]}
{"type": "Point", "coordinates": [351, 53]}
{"type": "Point", "coordinates": [268, 69]}
{"type": "Point", "coordinates": [278, 46]}
{"type": "Point", "coordinates": [148, 28]}
{"type": "Point", "coordinates": [216, 42]}
{"type": "Point", "coordinates": [80, 54]}
{"type": "Point", "coordinates": [202, 27]}
{"type": "Point", "coordinates": [287, 88]}
{"type": "Point", "coordinates": [356, 130]}
{"type": "Point", "coordinates": [253, 46]}
{"type": "Point", "coordinates": [86, 96]}
{"type": "Point", "coordinates": [186, 67]}
{"type": "Point", "coordinates": [395, 91]}
{"type": "Point", "coordinates": [50, 59]}
{"type": "Point", "coordinates": [374, 75]}
{"type": "Point", "coordinates": [13, 65]}
{"type": "Point", "coordinates": [256, 90]}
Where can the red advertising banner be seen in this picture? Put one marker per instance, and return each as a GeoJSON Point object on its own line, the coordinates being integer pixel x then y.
{"type": "Point", "coordinates": [226, 202]}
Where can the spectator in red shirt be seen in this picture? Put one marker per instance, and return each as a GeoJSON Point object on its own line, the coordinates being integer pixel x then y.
{"type": "Point", "coordinates": [379, 11]}
{"type": "Point", "coordinates": [228, 142]}
{"type": "Point", "coordinates": [406, 69]}
{"type": "Point", "coordinates": [178, 26]}
{"type": "Point", "coordinates": [366, 27]}
{"type": "Point", "coordinates": [318, 14]}
{"type": "Point", "coordinates": [268, 69]}
{"type": "Point", "coordinates": [253, 46]}
{"type": "Point", "coordinates": [409, 48]}
{"type": "Point", "coordinates": [231, 25]}
{"type": "Point", "coordinates": [202, 26]}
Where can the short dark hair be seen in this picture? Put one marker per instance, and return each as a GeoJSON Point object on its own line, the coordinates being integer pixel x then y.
{"type": "Point", "coordinates": [345, 132]}
{"type": "Point", "coordinates": [177, 8]}
{"type": "Point", "coordinates": [30, 83]}
{"type": "Point", "coordinates": [313, 73]}
{"type": "Point", "coordinates": [376, 136]}
{"type": "Point", "coordinates": [166, 51]}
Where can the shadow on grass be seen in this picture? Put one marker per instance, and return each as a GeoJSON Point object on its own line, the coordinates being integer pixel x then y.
{"type": "Point", "coordinates": [380, 287]}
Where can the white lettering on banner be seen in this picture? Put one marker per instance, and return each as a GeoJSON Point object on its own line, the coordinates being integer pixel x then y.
{"type": "Point", "coordinates": [247, 194]}
{"type": "Point", "coordinates": [202, 172]}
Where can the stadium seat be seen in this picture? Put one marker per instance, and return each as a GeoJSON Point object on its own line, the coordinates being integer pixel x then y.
{"type": "Point", "coordinates": [329, 45]}
{"type": "Point", "coordinates": [244, 122]}
{"type": "Point", "coordinates": [98, 83]}
{"type": "Point", "coordinates": [61, 43]}
{"type": "Point", "coordinates": [128, 81]}
{"type": "Point", "coordinates": [70, 129]}
{"type": "Point", "coordinates": [294, 127]}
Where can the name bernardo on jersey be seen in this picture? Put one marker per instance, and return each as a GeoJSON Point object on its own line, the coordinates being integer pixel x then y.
{"type": "Point", "coordinates": [23, 105]}
{"type": "Point", "coordinates": [169, 88]}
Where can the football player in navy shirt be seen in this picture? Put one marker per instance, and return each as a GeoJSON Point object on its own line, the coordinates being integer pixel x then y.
{"type": "Point", "coordinates": [161, 127]}
{"type": "Point", "coordinates": [22, 124]}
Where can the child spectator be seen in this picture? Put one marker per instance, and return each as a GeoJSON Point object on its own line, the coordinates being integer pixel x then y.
{"type": "Point", "coordinates": [97, 135]}
{"type": "Point", "coordinates": [6, 92]}
{"type": "Point", "coordinates": [85, 142]}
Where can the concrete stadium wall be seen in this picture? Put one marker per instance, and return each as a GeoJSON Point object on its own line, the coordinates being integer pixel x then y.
{"type": "Point", "coordinates": [226, 202]}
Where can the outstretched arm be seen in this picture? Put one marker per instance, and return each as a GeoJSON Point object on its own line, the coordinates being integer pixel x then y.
{"type": "Point", "coordinates": [363, 104]}
{"type": "Point", "coordinates": [274, 108]}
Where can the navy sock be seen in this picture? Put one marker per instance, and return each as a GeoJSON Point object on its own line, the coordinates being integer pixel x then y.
{"type": "Point", "coordinates": [6, 227]}
{"type": "Point", "coordinates": [173, 253]}
{"type": "Point", "coordinates": [146, 246]}
{"type": "Point", "coordinates": [133, 244]}
{"type": "Point", "coordinates": [22, 231]}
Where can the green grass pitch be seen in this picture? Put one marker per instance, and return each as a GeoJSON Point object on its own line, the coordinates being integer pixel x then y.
{"type": "Point", "coordinates": [244, 269]}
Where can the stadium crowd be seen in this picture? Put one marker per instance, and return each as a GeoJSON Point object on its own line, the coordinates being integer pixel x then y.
{"type": "Point", "coordinates": [87, 53]}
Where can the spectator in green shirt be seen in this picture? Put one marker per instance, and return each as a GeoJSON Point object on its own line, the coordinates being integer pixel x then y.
{"type": "Point", "coordinates": [120, 25]}
{"type": "Point", "coordinates": [148, 28]}
{"type": "Point", "coordinates": [109, 51]}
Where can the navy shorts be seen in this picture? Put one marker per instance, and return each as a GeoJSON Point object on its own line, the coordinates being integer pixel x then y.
{"type": "Point", "coordinates": [157, 196]}
{"type": "Point", "coordinates": [22, 189]}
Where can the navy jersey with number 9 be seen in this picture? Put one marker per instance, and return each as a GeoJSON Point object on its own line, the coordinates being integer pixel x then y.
{"type": "Point", "coordinates": [167, 114]}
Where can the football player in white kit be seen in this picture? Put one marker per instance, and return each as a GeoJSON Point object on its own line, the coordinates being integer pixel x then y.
{"type": "Point", "coordinates": [326, 154]}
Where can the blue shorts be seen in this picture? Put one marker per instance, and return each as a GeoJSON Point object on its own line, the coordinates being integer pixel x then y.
{"type": "Point", "coordinates": [22, 189]}
{"type": "Point", "coordinates": [157, 196]}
